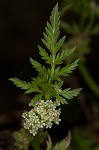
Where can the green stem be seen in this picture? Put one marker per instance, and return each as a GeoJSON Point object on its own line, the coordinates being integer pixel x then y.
{"type": "Point", "coordinates": [89, 80]}
{"type": "Point", "coordinates": [36, 142]}
{"type": "Point", "coordinates": [52, 69]}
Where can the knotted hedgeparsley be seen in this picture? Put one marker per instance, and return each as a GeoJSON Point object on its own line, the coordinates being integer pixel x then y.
{"type": "Point", "coordinates": [44, 114]}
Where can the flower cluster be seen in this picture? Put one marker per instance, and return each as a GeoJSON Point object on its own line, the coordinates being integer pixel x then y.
{"type": "Point", "coordinates": [42, 115]}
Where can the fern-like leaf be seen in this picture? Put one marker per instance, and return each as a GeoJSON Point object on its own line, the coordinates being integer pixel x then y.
{"type": "Point", "coordinates": [62, 100]}
{"type": "Point", "coordinates": [62, 145]}
{"type": "Point", "coordinates": [36, 65]}
{"type": "Point", "coordinates": [22, 84]}
{"type": "Point", "coordinates": [48, 83]}
{"type": "Point", "coordinates": [51, 33]}
{"type": "Point", "coordinates": [40, 69]}
{"type": "Point", "coordinates": [69, 68]}
{"type": "Point", "coordinates": [28, 87]}
{"type": "Point", "coordinates": [59, 44]}
{"type": "Point", "coordinates": [22, 139]}
{"type": "Point", "coordinates": [69, 94]}
{"type": "Point", "coordinates": [45, 55]}
{"type": "Point", "coordinates": [62, 55]}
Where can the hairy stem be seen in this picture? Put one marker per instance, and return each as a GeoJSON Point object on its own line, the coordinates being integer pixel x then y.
{"type": "Point", "coordinates": [89, 80]}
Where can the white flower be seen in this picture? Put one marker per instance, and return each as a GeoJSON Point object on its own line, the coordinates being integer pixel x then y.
{"type": "Point", "coordinates": [44, 114]}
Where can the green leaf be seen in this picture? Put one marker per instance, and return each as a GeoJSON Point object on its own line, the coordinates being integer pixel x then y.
{"type": "Point", "coordinates": [56, 73]}
{"type": "Point", "coordinates": [65, 70]}
{"type": "Point", "coordinates": [48, 83]}
{"type": "Point", "coordinates": [69, 94]}
{"type": "Point", "coordinates": [36, 98]}
{"type": "Point", "coordinates": [48, 29]}
{"type": "Point", "coordinates": [55, 21]}
{"type": "Point", "coordinates": [29, 87]}
{"type": "Point", "coordinates": [39, 81]}
{"type": "Point", "coordinates": [33, 89]}
{"type": "Point", "coordinates": [62, 145]}
{"type": "Point", "coordinates": [45, 55]}
{"type": "Point", "coordinates": [49, 143]}
{"type": "Point", "coordinates": [22, 139]}
{"type": "Point", "coordinates": [36, 65]}
{"type": "Point", "coordinates": [59, 44]}
{"type": "Point", "coordinates": [51, 33]}
{"type": "Point", "coordinates": [41, 69]}
{"type": "Point", "coordinates": [61, 99]}
{"type": "Point", "coordinates": [69, 68]}
{"type": "Point", "coordinates": [62, 55]}
{"type": "Point", "coordinates": [22, 84]}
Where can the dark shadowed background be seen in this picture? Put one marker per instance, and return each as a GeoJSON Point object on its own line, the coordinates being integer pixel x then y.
{"type": "Point", "coordinates": [22, 23]}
